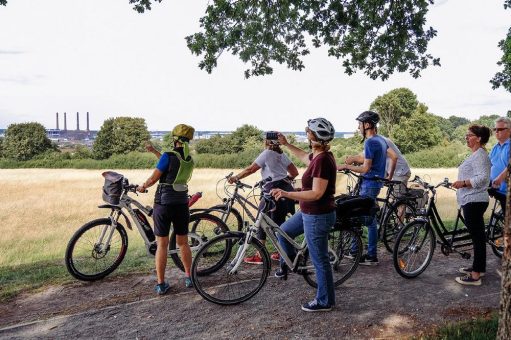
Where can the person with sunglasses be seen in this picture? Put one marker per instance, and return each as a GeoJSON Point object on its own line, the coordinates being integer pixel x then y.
{"type": "Point", "coordinates": [499, 157]}
{"type": "Point", "coordinates": [472, 197]}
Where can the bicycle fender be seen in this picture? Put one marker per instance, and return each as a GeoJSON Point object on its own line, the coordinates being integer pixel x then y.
{"type": "Point", "coordinates": [114, 207]}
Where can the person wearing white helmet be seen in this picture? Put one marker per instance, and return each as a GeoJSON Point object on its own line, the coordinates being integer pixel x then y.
{"type": "Point", "coordinates": [373, 165]}
{"type": "Point", "coordinates": [317, 209]}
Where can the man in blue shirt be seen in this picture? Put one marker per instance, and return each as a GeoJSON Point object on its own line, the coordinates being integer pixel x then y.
{"type": "Point", "coordinates": [373, 164]}
{"type": "Point", "coordinates": [499, 157]}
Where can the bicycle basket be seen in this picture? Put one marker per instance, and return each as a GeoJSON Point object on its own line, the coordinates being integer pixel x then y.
{"type": "Point", "coordinates": [112, 188]}
{"type": "Point", "coordinates": [421, 196]}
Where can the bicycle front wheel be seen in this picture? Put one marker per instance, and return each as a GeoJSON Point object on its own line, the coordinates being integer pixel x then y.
{"type": "Point", "coordinates": [96, 250]}
{"type": "Point", "coordinates": [398, 215]}
{"type": "Point", "coordinates": [414, 248]}
{"type": "Point", "coordinates": [344, 262]}
{"type": "Point", "coordinates": [202, 227]}
{"type": "Point", "coordinates": [234, 281]}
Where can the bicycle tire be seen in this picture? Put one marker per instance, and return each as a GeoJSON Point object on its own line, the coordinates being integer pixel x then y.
{"type": "Point", "coordinates": [343, 263]}
{"type": "Point", "coordinates": [392, 224]}
{"type": "Point", "coordinates": [495, 234]}
{"type": "Point", "coordinates": [234, 221]}
{"type": "Point", "coordinates": [221, 286]}
{"type": "Point", "coordinates": [86, 260]}
{"type": "Point", "coordinates": [202, 227]}
{"type": "Point", "coordinates": [414, 237]}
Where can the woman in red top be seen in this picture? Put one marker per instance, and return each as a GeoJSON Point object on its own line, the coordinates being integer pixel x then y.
{"type": "Point", "coordinates": [317, 209]}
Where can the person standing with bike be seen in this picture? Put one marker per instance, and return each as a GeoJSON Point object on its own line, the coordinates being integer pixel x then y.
{"type": "Point", "coordinates": [317, 209]}
{"type": "Point", "coordinates": [173, 171]}
{"type": "Point", "coordinates": [472, 197]}
{"type": "Point", "coordinates": [373, 166]}
{"type": "Point", "coordinates": [273, 163]}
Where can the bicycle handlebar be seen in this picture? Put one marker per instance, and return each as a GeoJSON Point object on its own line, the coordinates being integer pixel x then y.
{"type": "Point", "coordinates": [376, 178]}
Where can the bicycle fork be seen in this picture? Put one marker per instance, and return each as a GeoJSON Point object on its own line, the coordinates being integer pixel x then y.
{"type": "Point", "coordinates": [240, 255]}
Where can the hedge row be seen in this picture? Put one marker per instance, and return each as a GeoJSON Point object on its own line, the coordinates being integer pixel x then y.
{"type": "Point", "coordinates": [442, 156]}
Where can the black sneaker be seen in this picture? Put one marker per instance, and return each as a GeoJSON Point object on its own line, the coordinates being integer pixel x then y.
{"type": "Point", "coordinates": [367, 260]}
{"type": "Point", "coordinates": [313, 306]}
{"type": "Point", "coordinates": [468, 271]}
{"type": "Point", "coordinates": [351, 255]}
{"type": "Point", "coordinates": [281, 273]}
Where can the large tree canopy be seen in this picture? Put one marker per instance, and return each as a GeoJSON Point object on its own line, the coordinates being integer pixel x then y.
{"type": "Point", "coordinates": [378, 36]}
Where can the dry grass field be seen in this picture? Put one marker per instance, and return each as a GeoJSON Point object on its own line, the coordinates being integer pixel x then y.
{"type": "Point", "coordinates": [42, 208]}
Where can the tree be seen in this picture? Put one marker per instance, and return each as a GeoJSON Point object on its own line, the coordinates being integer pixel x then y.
{"type": "Point", "coordinates": [1, 147]}
{"type": "Point", "coordinates": [417, 132]}
{"type": "Point", "coordinates": [378, 37]}
{"type": "Point", "coordinates": [120, 135]}
{"type": "Point", "coordinates": [503, 79]}
{"type": "Point", "coordinates": [392, 106]}
{"type": "Point", "coordinates": [26, 140]}
{"type": "Point", "coordinates": [457, 121]}
{"type": "Point", "coordinates": [244, 134]}
{"type": "Point", "coordinates": [486, 120]}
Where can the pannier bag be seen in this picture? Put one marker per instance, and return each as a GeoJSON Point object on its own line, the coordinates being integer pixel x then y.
{"type": "Point", "coordinates": [421, 196]}
{"type": "Point", "coordinates": [355, 206]}
{"type": "Point", "coordinates": [112, 189]}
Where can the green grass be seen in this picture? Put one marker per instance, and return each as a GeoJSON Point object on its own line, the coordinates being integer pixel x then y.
{"type": "Point", "coordinates": [29, 277]}
{"type": "Point", "coordinates": [478, 329]}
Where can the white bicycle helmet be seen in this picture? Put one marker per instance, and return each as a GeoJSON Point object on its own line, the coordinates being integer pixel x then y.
{"type": "Point", "coordinates": [322, 129]}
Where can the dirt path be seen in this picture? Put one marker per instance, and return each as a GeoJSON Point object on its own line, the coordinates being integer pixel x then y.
{"type": "Point", "coordinates": [375, 303]}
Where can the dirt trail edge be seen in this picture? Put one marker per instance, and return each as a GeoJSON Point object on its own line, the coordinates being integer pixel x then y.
{"type": "Point", "coordinates": [374, 303]}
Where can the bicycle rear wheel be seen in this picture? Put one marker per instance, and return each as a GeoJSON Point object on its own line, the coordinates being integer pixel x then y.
{"type": "Point", "coordinates": [398, 215]}
{"type": "Point", "coordinates": [226, 285]}
{"type": "Point", "coordinates": [202, 228]}
{"type": "Point", "coordinates": [414, 248]}
{"type": "Point", "coordinates": [343, 262]}
{"type": "Point", "coordinates": [96, 249]}
{"type": "Point", "coordinates": [234, 221]}
{"type": "Point", "coordinates": [495, 235]}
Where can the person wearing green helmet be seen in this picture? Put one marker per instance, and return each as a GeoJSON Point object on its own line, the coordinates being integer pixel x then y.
{"type": "Point", "coordinates": [173, 172]}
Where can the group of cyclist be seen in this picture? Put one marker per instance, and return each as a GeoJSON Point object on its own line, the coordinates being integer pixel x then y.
{"type": "Point", "coordinates": [316, 217]}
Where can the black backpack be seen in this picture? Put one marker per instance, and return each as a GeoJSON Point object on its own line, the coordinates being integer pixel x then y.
{"type": "Point", "coordinates": [112, 189]}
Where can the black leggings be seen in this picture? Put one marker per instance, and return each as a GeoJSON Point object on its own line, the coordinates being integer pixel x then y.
{"type": "Point", "coordinates": [474, 220]}
{"type": "Point", "coordinates": [278, 215]}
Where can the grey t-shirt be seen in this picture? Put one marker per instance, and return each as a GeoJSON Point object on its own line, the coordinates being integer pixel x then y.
{"type": "Point", "coordinates": [402, 167]}
{"type": "Point", "coordinates": [273, 164]}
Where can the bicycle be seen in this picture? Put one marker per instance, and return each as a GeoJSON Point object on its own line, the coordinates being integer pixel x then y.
{"type": "Point", "coordinates": [495, 227]}
{"type": "Point", "coordinates": [394, 213]}
{"type": "Point", "coordinates": [98, 247]}
{"type": "Point", "coordinates": [415, 243]}
{"type": "Point", "coordinates": [232, 281]}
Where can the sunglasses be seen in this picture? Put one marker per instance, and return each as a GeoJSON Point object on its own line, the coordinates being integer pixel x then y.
{"type": "Point", "coordinates": [499, 129]}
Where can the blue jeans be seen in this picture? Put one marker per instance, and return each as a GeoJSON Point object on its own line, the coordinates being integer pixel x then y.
{"type": "Point", "coordinates": [316, 229]}
{"type": "Point", "coordinates": [372, 229]}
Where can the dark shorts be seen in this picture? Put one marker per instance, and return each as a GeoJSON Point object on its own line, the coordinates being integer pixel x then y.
{"type": "Point", "coordinates": [176, 214]}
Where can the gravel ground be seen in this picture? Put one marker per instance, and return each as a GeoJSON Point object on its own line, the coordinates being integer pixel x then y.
{"type": "Point", "coordinates": [374, 303]}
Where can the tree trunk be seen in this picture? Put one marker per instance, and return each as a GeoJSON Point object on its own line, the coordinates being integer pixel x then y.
{"type": "Point", "coordinates": [504, 332]}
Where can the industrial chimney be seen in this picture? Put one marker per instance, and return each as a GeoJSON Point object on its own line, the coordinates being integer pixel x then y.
{"type": "Point", "coordinates": [88, 121]}
{"type": "Point", "coordinates": [57, 118]}
{"type": "Point", "coordinates": [78, 121]}
{"type": "Point", "coordinates": [65, 122]}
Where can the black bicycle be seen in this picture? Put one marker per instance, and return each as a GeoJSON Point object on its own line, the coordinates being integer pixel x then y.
{"type": "Point", "coordinates": [415, 243]}
{"type": "Point", "coordinates": [395, 211]}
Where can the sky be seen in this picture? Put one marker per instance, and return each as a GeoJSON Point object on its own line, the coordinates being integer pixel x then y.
{"type": "Point", "coordinates": [104, 58]}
